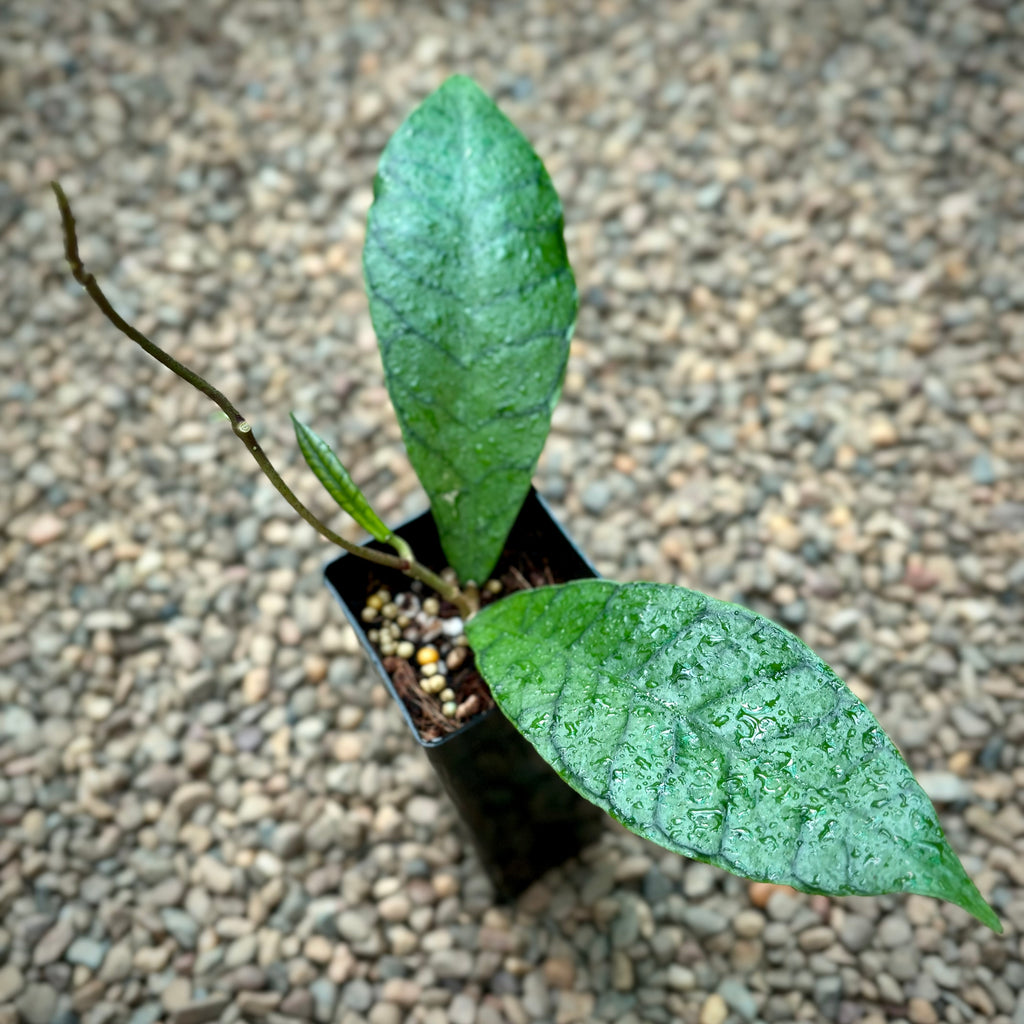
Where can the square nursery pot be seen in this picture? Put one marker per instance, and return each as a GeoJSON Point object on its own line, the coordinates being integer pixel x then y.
{"type": "Point", "coordinates": [523, 819]}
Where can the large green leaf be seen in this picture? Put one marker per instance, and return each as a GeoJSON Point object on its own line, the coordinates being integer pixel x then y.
{"type": "Point", "coordinates": [716, 733]}
{"type": "Point", "coordinates": [473, 302]}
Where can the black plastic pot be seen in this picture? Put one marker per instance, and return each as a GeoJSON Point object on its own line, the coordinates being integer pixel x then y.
{"type": "Point", "coordinates": [522, 817]}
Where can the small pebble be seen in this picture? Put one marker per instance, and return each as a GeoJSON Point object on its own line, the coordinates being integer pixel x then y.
{"type": "Point", "coordinates": [468, 707]}
{"type": "Point", "coordinates": [714, 1010]}
{"type": "Point", "coordinates": [427, 656]}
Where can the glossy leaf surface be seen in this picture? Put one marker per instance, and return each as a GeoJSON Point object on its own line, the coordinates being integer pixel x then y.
{"type": "Point", "coordinates": [714, 732]}
{"type": "Point", "coordinates": [328, 468]}
{"type": "Point", "coordinates": [473, 303]}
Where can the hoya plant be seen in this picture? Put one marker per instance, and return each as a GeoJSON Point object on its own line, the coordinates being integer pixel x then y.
{"type": "Point", "coordinates": [696, 723]}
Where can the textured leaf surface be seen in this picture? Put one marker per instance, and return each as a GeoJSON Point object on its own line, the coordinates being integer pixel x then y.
{"type": "Point", "coordinates": [716, 733]}
{"type": "Point", "coordinates": [473, 302]}
{"type": "Point", "coordinates": [328, 468]}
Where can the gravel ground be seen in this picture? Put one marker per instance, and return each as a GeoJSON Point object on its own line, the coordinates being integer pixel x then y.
{"type": "Point", "coordinates": [798, 230]}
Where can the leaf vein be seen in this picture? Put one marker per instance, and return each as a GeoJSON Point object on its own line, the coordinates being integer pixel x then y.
{"type": "Point", "coordinates": [385, 342]}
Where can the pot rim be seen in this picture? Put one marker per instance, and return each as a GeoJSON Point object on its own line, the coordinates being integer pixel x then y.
{"type": "Point", "coordinates": [370, 650]}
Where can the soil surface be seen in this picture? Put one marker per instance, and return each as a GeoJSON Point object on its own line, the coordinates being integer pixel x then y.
{"type": "Point", "coordinates": [515, 571]}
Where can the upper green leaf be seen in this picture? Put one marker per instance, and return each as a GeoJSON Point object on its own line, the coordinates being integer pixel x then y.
{"type": "Point", "coordinates": [716, 733]}
{"type": "Point", "coordinates": [473, 302]}
{"type": "Point", "coordinates": [335, 477]}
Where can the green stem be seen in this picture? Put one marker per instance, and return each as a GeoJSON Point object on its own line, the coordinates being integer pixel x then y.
{"type": "Point", "coordinates": [404, 561]}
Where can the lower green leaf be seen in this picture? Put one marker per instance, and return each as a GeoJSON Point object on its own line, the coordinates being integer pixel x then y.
{"type": "Point", "coordinates": [714, 732]}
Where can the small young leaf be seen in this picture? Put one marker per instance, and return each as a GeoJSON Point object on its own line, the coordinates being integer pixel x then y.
{"type": "Point", "coordinates": [473, 302]}
{"type": "Point", "coordinates": [334, 476]}
{"type": "Point", "coordinates": [714, 732]}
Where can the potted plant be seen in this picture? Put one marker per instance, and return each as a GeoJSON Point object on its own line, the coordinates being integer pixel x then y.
{"type": "Point", "coordinates": [696, 723]}
{"type": "Point", "coordinates": [523, 819]}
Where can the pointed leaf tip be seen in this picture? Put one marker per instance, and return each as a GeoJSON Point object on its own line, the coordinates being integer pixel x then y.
{"type": "Point", "coordinates": [714, 732]}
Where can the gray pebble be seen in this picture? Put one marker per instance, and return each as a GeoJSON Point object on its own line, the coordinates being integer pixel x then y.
{"type": "Point", "coordinates": [452, 963]}
{"type": "Point", "coordinates": [325, 995]}
{"type": "Point", "coordinates": [944, 787]}
{"type": "Point", "coordinates": [813, 940]}
{"type": "Point", "coordinates": [385, 1013]}
{"type": "Point", "coordinates": [240, 951]}
{"type": "Point", "coordinates": [287, 841]}
{"type": "Point", "coordinates": [199, 1011]}
{"type": "Point", "coordinates": [982, 470]}
{"type": "Point", "coordinates": [37, 1004]}
{"type": "Point", "coordinates": [704, 921]}
{"type": "Point", "coordinates": [946, 975]}
{"type": "Point", "coordinates": [904, 963]}
{"type": "Point", "coordinates": [700, 880]}
{"type": "Point", "coordinates": [53, 943]}
{"type": "Point", "coordinates": [357, 995]}
{"type": "Point", "coordinates": [828, 991]}
{"type": "Point", "coordinates": [536, 998]}
{"type": "Point", "coordinates": [146, 1013]}
{"type": "Point", "coordinates": [856, 933]}
{"type": "Point", "coordinates": [968, 723]}
{"type": "Point", "coordinates": [11, 982]}
{"type": "Point", "coordinates": [784, 907]}
{"type": "Point", "coordinates": [117, 964]}
{"type": "Point", "coordinates": [625, 929]}
{"type": "Point", "coordinates": [709, 196]}
{"type": "Point", "coordinates": [87, 952]}
{"type": "Point", "coordinates": [208, 961]}
{"type": "Point", "coordinates": [19, 724]}
{"type": "Point", "coordinates": [596, 496]}
{"type": "Point", "coordinates": [894, 931]}
{"type": "Point", "coordinates": [181, 926]}
{"type": "Point", "coordinates": [152, 867]}
{"type": "Point", "coordinates": [739, 998]}
{"type": "Point", "coordinates": [657, 887]}
{"type": "Point", "coordinates": [680, 978]}
{"type": "Point", "coordinates": [166, 893]}
{"type": "Point", "coordinates": [298, 1003]}
{"type": "Point", "coordinates": [355, 925]}
{"type": "Point", "coordinates": [719, 438]}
